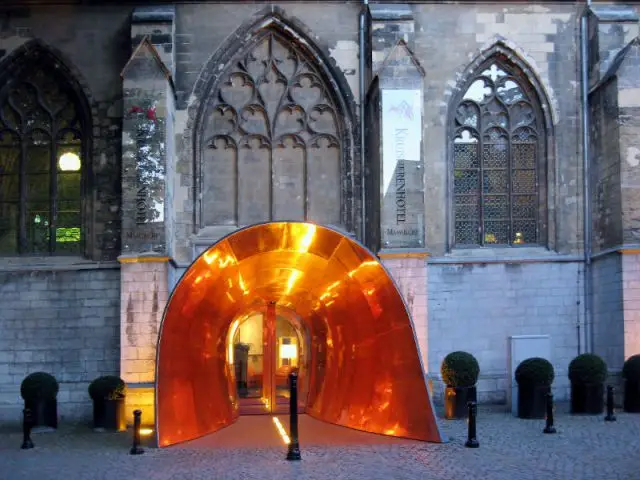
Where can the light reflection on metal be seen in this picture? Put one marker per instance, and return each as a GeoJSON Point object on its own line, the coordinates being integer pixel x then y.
{"type": "Point", "coordinates": [365, 371]}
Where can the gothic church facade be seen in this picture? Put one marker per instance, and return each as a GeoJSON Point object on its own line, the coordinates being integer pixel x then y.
{"type": "Point", "coordinates": [486, 152]}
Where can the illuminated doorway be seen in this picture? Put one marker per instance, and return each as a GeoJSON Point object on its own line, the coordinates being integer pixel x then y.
{"type": "Point", "coordinates": [263, 348]}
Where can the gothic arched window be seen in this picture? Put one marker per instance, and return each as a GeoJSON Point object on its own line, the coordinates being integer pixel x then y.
{"type": "Point", "coordinates": [271, 139]}
{"type": "Point", "coordinates": [498, 159]}
{"type": "Point", "coordinates": [41, 163]}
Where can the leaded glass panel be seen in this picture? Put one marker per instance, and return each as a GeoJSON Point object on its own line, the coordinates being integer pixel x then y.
{"type": "Point", "coordinates": [41, 154]}
{"type": "Point", "coordinates": [495, 159]}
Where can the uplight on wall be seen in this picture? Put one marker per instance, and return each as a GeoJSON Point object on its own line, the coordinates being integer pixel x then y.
{"type": "Point", "coordinates": [69, 162]}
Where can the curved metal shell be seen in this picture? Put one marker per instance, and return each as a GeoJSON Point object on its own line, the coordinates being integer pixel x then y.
{"type": "Point", "coordinates": [365, 370]}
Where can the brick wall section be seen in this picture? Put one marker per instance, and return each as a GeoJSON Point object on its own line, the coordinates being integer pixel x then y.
{"type": "Point", "coordinates": [144, 295]}
{"type": "Point", "coordinates": [66, 323]}
{"type": "Point", "coordinates": [631, 285]}
{"type": "Point", "coordinates": [607, 304]}
{"type": "Point", "coordinates": [476, 307]}
{"type": "Point", "coordinates": [410, 275]}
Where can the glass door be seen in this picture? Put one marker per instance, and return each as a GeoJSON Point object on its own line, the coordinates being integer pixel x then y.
{"type": "Point", "coordinates": [248, 364]}
{"type": "Point", "coordinates": [288, 356]}
{"type": "Point", "coordinates": [267, 347]}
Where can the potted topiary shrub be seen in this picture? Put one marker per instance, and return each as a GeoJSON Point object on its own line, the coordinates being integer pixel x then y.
{"type": "Point", "coordinates": [587, 373]}
{"type": "Point", "coordinates": [40, 391]}
{"type": "Point", "coordinates": [631, 375]}
{"type": "Point", "coordinates": [534, 377]}
{"type": "Point", "coordinates": [460, 372]}
{"type": "Point", "coordinates": [108, 394]}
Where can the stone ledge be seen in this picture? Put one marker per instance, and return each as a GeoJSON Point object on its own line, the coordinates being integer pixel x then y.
{"type": "Point", "coordinates": [29, 264]}
{"type": "Point", "coordinates": [390, 12]}
{"type": "Point", "coordinates": [157, 14]}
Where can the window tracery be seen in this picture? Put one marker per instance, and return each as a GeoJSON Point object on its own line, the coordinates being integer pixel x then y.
{"type": "Point", "coordinates": [41, 163]}
{"type": "Point", "coordinates": [496, 160]}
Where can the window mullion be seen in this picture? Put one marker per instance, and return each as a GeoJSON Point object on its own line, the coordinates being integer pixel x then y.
{"type": "Point", "coordinates": [53, 195]}
{"type": "Point", "coordinates": [22, 220]}
{"type": "Point", "coordinates": [510, 187]}
{"type": "Point", "coordinates": [481, 180]}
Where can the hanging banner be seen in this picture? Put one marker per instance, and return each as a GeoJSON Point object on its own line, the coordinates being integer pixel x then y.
{"type": "Point", "coordinates": [402, 203]}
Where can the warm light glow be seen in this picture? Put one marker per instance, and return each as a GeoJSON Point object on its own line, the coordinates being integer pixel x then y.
{"type": "Point", "coordinates": [69, 162]}
{"type": "Point", "coordinates": [245, 290]}
{"type": "Point", "coordinates": [145, 432]}
{"type": "Point", "coordinates": [210, 257]}
{"type": "Point", "coordinates": [293, 278]}
{"type": "Point", "coordinates": [232, 333]}
{"type": "Point", "coordinates": [304, 240]}
{"type": "Point", "coordinates": [289, 351]}
{"type": "Point", "coordinates": [281, 431]}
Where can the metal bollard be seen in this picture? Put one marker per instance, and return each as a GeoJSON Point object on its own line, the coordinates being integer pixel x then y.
{"type": "Point", "coordinates": [27, 425]}
{"type": "Point", "coordinates": [294, 445]}
{"type": "Point", "coordinates": [136, 449]}
{"type": "Point", "coordinates": [610, 416]}
{"type": "Point", "coordinates": [472, 441]}
{"type": "Point", "coordinates": [549, 428]}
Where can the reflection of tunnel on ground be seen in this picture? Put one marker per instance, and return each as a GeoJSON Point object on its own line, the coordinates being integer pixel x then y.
{"type": "Point", "coordinates": [319, 302]}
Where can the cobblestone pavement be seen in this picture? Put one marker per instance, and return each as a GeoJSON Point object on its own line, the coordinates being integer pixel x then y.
{"type": "Point", "coordinates": [585, 447]}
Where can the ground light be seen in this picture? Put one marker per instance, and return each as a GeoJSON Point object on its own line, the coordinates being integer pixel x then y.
{"type": "Point", "coordinates": [281, 431]}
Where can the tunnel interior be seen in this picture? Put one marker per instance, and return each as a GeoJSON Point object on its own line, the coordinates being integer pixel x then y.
{"type": "Point", "coordinates": [361, 365]}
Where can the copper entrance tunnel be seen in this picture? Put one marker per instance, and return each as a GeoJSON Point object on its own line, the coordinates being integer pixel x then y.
{"type": "Point", "coordinates": [365, 369]}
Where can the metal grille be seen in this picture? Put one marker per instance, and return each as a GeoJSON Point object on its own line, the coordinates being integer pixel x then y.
{"type": "Point", "coordinates": [496, 193]}
{"type": "Point", "coordinates": [40, 165]}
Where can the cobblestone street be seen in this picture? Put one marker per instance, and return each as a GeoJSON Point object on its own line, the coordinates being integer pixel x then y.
{"type": "Point", "coordinates": [585, 447]}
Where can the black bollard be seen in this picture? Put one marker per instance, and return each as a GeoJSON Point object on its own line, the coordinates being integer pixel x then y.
{"type": "Point", "coordinates": [27, 425]}
{"type": "Point", "coordinates": [294, 445]}
{"type": "Point", "coordinates": [472, 441]}
{"type": "Point", "coordinates": [610, 416]}
{"type": "Point", "coordinates": [136, 449]}
{"type": "Point", "coordinates": [549, 428]}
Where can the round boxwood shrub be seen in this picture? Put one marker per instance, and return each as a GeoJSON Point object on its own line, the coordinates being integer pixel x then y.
{"type": "Point", "coordinates": [39, 386]}
{"type": "Point", "coordinates": [631, 369]}
{"type": "Point", "coordinates": [587, 369]}
{"type": "Point", "coordinates": [460, 369]}
{"type": "Point", "coordinates": [108, 387]}
{"type": "Point", "coordinates": [535, 372]}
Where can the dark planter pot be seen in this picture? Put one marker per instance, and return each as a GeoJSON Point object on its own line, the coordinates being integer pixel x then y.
{"type": "Point", "coordinates": [44, 413]}
{"type": "Point", "coordinates": [455, 401]}
{"type": "Point", "coordinates": [587, 398]}
{"type": "Point", "coordinates": [109, 415]}
{"type": "Point", "coordinates": [632, 396]}
{"type": "Point", "coordinates": [532, 401]}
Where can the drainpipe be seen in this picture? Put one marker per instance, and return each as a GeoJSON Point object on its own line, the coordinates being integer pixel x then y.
{"type": "Point", "coordinates": [363, 99]}
{"type": "Point", "coordinates": [584, 60]}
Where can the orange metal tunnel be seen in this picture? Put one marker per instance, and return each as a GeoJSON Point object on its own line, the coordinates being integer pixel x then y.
{"type": "Point", "coordinates": [366, 370]}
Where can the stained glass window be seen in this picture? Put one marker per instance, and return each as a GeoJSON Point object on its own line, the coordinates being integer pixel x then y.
{"type": "Point", "coordinates": [496, 149]}
{"type": "Point", "coordinates": [41, 162]}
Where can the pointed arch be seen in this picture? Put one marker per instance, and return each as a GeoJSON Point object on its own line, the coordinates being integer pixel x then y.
{"type": "Point", "coordinates": [314, 137]}
{"type": "Point", "coordinates": [45, 134]}
{"type": "Point", "coordinates": [501, 154]}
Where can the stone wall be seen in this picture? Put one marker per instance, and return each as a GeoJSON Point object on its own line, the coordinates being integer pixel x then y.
{"type": "Point", "coordinates": [606, 195]}
{"type": "Point", "coordinates": [545, 39]}
{"type": "Point", "coordinates": [205, 34]}
{"type": "Point", "coordinates": [475, 307]}
{"type": "Point", "coordinates": [607, 304]}
{"type": "Point", "coordinates": [65, 322]}
{"type": "Point", "coordinates": [631, 305]}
